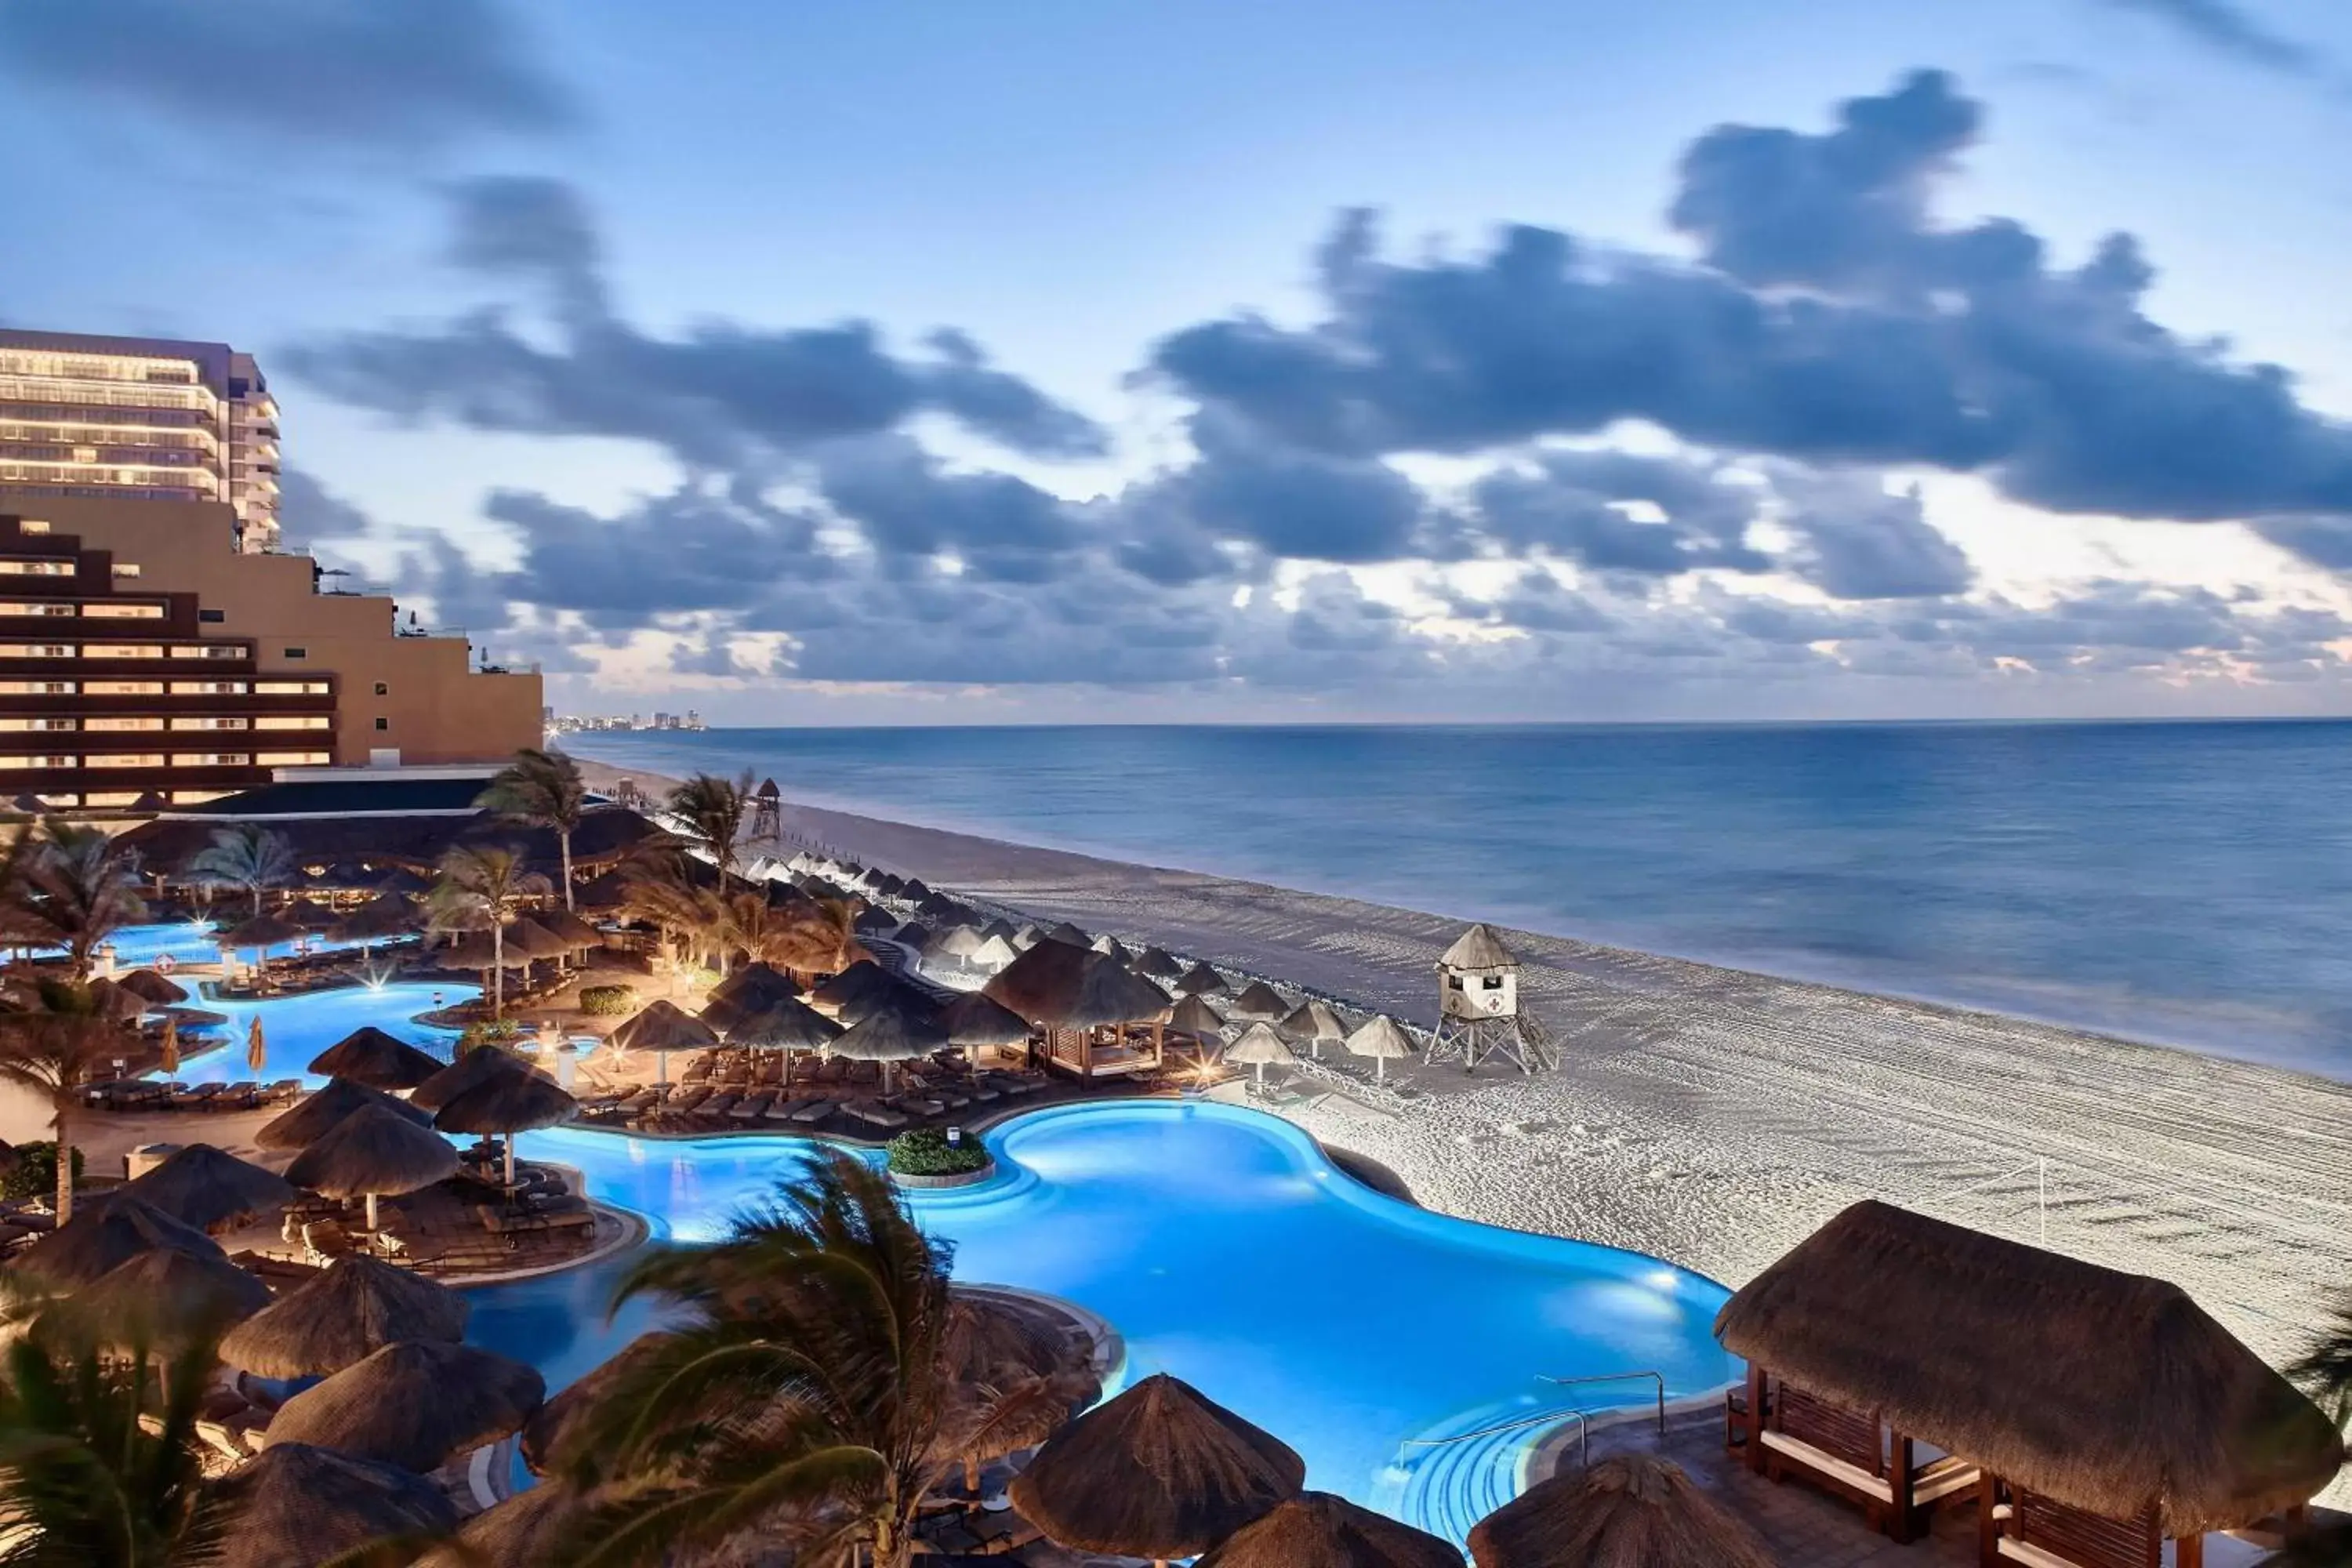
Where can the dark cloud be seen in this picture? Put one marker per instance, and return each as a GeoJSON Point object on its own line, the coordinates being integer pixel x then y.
{"type": "Point", "coordinates": [405, 74]}
{"type": "Point", "coordinates": [688, 550]}
{"type": "Point", "coordinates": [526, 225]}
{"type": "Point", "coordinates": [2226, 27]}
{"type": "Point", "coordinates": [1296, 503]}
{"type": "Point", "coordinates": [309, 514]}
{"type": "Point", "coordinates": [908, 503]}
{"type": "Point", "coordinates": [1580, 506]}
{"type": "Point", "coordinates": [1857, 542]}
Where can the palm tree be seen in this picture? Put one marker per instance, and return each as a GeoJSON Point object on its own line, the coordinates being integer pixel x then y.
{"type": "Point", "coordinates": [541, 789]}
{"type": "Point", "coordinates": [817, 1393]}
{"type": "Point", "coordinates": [20, 924]}
{"type": "Point", "coordinates": [2325, 1371]}
{"type": "Point", "coordinates": [809, 935]}
{"type": "Point", "coordinates": [66, 1040]}
{"type": "Point", "coordinates": [482, 888]}
{"type": "Point", "coordinates": [714, 807]}
{"type": "Point", "coordinates": [244, 856]}
{"type": "Point", "coordinates": [81, 886]}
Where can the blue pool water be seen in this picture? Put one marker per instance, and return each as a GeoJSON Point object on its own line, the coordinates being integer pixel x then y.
{"type": "Point", "coordinates": [1227, 1250]}
{"type": "Point", "coordinates": [192, 941]}
{"type": "Point", "coordinates": [295, 1029]}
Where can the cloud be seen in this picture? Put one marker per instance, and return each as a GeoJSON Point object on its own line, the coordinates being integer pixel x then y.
{"type": "Point", "coordinates": [410, 74]}
{"type": "Point", "coordinates": [1585, 507]}
{"type": "Point", "coordinates": [1857, 542]}
{"type": "Point", "coordinates": [2225, 27]}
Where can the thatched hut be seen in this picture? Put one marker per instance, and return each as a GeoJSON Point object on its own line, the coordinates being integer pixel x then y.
{"type": "Point", "coordinates": [478, 1066]}
{"type": "Point", "coordinates": [1200, 981]}
{"type": "Point", "coordinates": [1259, 1046]}
{"type": "Point", "coordinates": [1090, 1014]}
{"type": "Point", "coordinates": [1632, 1512]}
{"type": "Point", "coordinates": [153, 988]}
{"type": "Point", "coordinates": [507, 1103]}
{"type": "Point", "coordinates": [1316, 1530]}
{"type": "Point", "coordinates": [1155, 964]}
{"type": "Point", "coordinates": [106, 1232]}
{"type": "Point", "coordinates": [319, 1112]}
{"type": "Point", "coordinates": [372, 1154]}
{"type": "Point", "coordinates": [358, 1305]}
{"type": "Point", "coordinates": [1161, 1471]}
{"type": "Point", "coordinates": [1258, 1002]}
{"type": "Point", "coordinates": [413, 1404]}
{"type": "Point", "coordinates": [294, 1506]}
{"type": "Point", "coordinates": [199, 1186]}
{"type": "Point", "coordinates": [2078, 1390]}
{"type": "Point", "coordinates": [369, 1056]}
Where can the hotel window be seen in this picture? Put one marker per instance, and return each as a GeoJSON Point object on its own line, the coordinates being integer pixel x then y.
{"type": "Point", "coordinates": [382, 689]}
{"type": "Point", "coordinates": [297, 653]}
{"type": "Point", "coordinates": [213, 759]}
{"type": "Point", "coordinates": [118, 610]}
{"type": "Point", "coordinates": [291, 687]}
{"type": "Point", "coordinates": [217, 650]}
{"type": "Point", "coordinates": [35, 650]}
{"type": "Point", "coordinates": [383, 723]}
{"type": "Point", "coordinates": [294, 759]}
{"type": "Point", "coordinates": [122, 650]}
{"type": "Point", "coordinates": [31, 525]}
{"type": "Point", "coordinates": [37, 687]}
{"type": "Point", "coordinates": [210, 724]}
{"type": "Point", "coordinates": [44, 761]}
{"type": "Point", "coordinates": [293, 722]}
{"type": "Point", "coordinates": [125, 724]}
{"type": "Point", "coordinates": [42, 608]}
{"type": "Point", "coordinates": [208, 688]}
{"type": "Point", "coordinates": [38, 724]}
{"type": "Point", "coordinates": [122, 688]}
{"type": "Point", "coordinates": [36, 568]}
{"type": "Point", "coordinates": [60, 800]}
{"type": "Point", "coordinates": [212, 617]}
{"type": "Point", "coordinates": [127, 569]}
{"type": "Point", "coordinates": [126, 759]}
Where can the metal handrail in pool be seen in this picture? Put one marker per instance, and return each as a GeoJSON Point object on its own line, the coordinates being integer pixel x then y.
{"type": "Point", "coordinates": [1583, 1433]}
{"type": "Point", "coordinates": [1657, 1377]}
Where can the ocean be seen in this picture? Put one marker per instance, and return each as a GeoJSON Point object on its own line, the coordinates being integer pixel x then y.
{"type": "Point", "coordinates": [2186, 884]}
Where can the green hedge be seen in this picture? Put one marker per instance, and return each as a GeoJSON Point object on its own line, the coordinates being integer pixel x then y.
{"type": "Point", "coordinates": [925, 1151]}
{"type": "Point", "coordinates": [504, 1031]}
{"type": "Point", "coordinates": [606, 1001]}
{"type": "Point", "coordinates": [34, 1172]}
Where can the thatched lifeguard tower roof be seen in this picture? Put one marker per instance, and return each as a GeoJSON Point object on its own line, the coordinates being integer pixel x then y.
{"type": "Point", "coordinates": [2107, 1390]}
{"type": "Point", "coordinates": [369, 1056]}
{"type": "Point", "coordinates": [294, 1505]}
{"type": "Point", "coordinates": [1055, 985]}
{"type": "Point", "coordinates": [358, 1305]}
{"type": "Point", "coordinates": [411, 1405]}
{"type": "Point", "coordinates": [1634, 1510]}
{"type": "Point", "coordinates": [1316, 1530]}
{"type": "Point", "coordinates": [199, 1185]}
{"type": "Point", "coordinates": [1478, 948]}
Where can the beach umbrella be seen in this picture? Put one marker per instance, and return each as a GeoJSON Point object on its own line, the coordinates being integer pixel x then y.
{"type": "Point", "coordinates": [475, 949]}
{"type": "Point", "coordinates": [307, 914]}
{"type": "Point", "coordinates": [259, 933]}
{"type": "Point", "coordinates": [997, 1347]}
{"type": "Point", "coordinates": [1257, 1001]}
{"type": "Point", "coordinates": [1200, 981]}
{"type": "Point", "coordinates": [1065, 931]}
{"type": "Point", "coordinates": [1108, 946]}
{"type": "Point", "coordinates": [106, 1232]}
{"type": "Point", "coordinates": [891, 1034]}
{"type": "Point", "coordinates": [507, 1103]}
{"type": "Point", "coordinates": [257, 1049]}
{"type": "Point", "coordinates": [294, 1506]}
{"type": "Point", "coordinates": [484, 1062]}
{"type": "Point", "coordinates": [1192, 1015]}
{"type": "Point", "coordinates": [387, 914]}
{"type": "Point", "coordinates": [166, 1297]}
{"type": "Point", "coordinates": [996, 953]}
{"type": "Point", "coordinates": [1381, 1039]}
{"type": "Point", "coordinates": [959, 942]}
{"type": "Point", "coordinates": [533, 941]}
{"type": "Point", "coordinates": [603, 895]}
{"type": "Point", "coordinates": [576, 934]}
{"type": "Point", "coordinates": [1261, 1047]}
{"type": "Point", "coordinates": [1314, 1024]}
{"type": "Point", "coordinates": [913, 934]}
{"type": "Point", "coordinates": [150, 986]}
{"type": "Point", "coordinates": [974, 1019]}
{"type": "Point", "coordinates": [1316, 1530]}
{"type": "Point", "coordinates": [865, 987]}
{"type": "Point", "coordinates": [319, 1112]}
{"type": "Point", "coordinates": [529, 1527]}
{"type": "Point", "coordinates": [413, 1404]}
{"type": "Point", "coordinates": [1159, 1472]}
{"type": "Point", "coordinates": [168, 1052]}
{"type": "Point", "coordinates": [369, 1056]}
{"type": "Point", "coordinates": [759, 978]}
{"type": "Point", "coordinates": [726, 1012]}
{"type": "Point", "coordinates": [999, 927]}
{"type": "Point", "coordinates": [1154, 963]}
{"type": "Point", "coordinates": [346, 1313]}
{"type": "Point", "coordinates": [373, 1153]}
{"type": "Point", "coordinates": [403, 882]}
{"type": "Point", "coordinates": [115, 1002]}
{"type": "Point", "coordinates": [1632, 1508]}
{"type": "Point", "coordinates": [915, 891]}
{"type": "Point", "coordinates": [1027, 937]}
{"type": "Point", "coordinates": [787, 1024]}
{"type": "Point", "coordinates": [199, 1185]}
{"type": "Point", "coordinates": [662, 1027]}
{"type": "Point", "coordinates": [543, 1434]}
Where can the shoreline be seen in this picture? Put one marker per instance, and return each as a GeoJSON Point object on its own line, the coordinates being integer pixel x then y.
{"type": "Point", "coordinates": [1714, 1116]}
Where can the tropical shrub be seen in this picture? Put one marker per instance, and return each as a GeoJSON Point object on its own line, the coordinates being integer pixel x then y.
{"type": "Point", "coordinates": [925, 1151]}
{"type": "Point", "coordinates": [606, 1001]}
{"type": "Point", "coordinates": [34, 1172]}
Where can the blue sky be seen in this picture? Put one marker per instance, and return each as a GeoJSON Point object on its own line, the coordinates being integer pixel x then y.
{"type": "Point", "coordinates": [609, 332]}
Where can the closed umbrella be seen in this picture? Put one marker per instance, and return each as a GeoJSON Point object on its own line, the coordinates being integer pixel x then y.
{"type": "Point", "coordinates": [294, 1505]}
{"type": "Point", "coordinates": [1261, 1047]}
{"type": "Point", "coordinates": [257, 1049]}
{"type": "Point", "coordinates": [356, 1308]}
{"type": "Point", "coordinates": [199, 1185]}
{"type": "Point", "coordinates": [507, 1103]}
{"type": "Point", "coordinates": [168, 1054]}
{"type": "Point", "coordinates": [1316, 1530]}
{"type": "Point", "coordinates": [413, 1404]}
{"type": "Point", "coordinates": [1632, 1508]}
{"type": "Point", "coordinates": [663, 1027]}
{"type": "Point", "coordinates": [1383, 1041]}
{"type": "Point", "coordinates": [369, 1056]}
{"type": "Point", "coordinates": [373, 1153]}
{"type": "Point", "coordinates": [319, 1110]}
{"type": "Point", "coordinates": [1314, 1024]}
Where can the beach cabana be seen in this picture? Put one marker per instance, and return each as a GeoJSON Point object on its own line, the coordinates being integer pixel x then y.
{"type": "Point", "coordinates": [319, 1110]}
{"type": "Point", "coordinates": [369, 1056]}
{"type": "Point", "coordinates": [1314, 1025]}
{"type": "Point", "coordinates": [506, 1103]}
{"type": "Point", "coordinates": [1259, 1046]}
{"type": "Point", "coordinates": [477, 1065]}
{"type": "Point", "coordinates": [1257, 1003]}
{"type": "Point", "coordinates": [1633, 1509]}
{"type": "Point", "coordinates": [2093, 1408]}
{"type": "Point", "coordinates": [1200, 981]}
{"type": "Point", "coordinates": [1160, 1472]}
{"type": "Point", "coordinates": [106, 1232]}
{"type": "Point", "coordinates": [201, 1186]}
{"type": "Point", "coordinates": [1381, 1039]}
{"type": "Point", "coordinates": [1316, 1530]}
{"type": "Point", "coordinates": [413, 1404]}
{"type": "Point", "coordinates": [1154, 963]}
{"type": "Point", "coordinates": [354, 1307]}
{"type": "Point", "coordinates": [294, 1505]}
{"type": "Point", "coordinates": [1089, 1014]}
{"type": "Point", "coordinates": [372, 1154]}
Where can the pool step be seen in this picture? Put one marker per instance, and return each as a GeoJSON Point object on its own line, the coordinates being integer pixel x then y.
{"type": "Point", "coordinates": [1447, 1481]}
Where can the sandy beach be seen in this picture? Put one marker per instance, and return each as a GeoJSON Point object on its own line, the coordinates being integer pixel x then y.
{"type": "Point", "coordinates": [1714, 1117]}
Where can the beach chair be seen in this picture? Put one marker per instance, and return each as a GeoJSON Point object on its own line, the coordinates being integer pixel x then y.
{"type": "Point", "coordinates": [782, 1110]}
{"type": "Point", "coordinates": [751, 1106]}
{"type": "Point", "coordinates": [285, 1088]}
{"type": "Point", "coordinates": [245, 1094]}
{"type": "Point", "coordinates": [324, 1240]}
{"type": "Point", "coordinates": [874, 1115]}
{"type": "Point", "coordinates": [813, 1112]}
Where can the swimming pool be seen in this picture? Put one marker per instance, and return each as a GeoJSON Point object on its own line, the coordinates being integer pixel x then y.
{"type": "Point", "coordinates": [1226, 1249]}
{"type": "Point", "coordinates": [191, 942]}
{"type": "Point", "coordinates": [295, 1029]}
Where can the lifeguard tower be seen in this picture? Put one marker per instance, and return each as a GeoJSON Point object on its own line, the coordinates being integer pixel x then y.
{"type": "Point", "coordinates": [1478, 1008]}
{"type": "Point", "coordinates": [767, 811]}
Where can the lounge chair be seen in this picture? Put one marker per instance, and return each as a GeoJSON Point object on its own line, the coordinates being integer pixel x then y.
{"type": "Point", "coordinates": [324, 1240]}
{"type": "Point", "coordinates": [813, 1112]}
{"type": "Point", "coordinates": [874, 1115]}
{"type": "Point", "coordinates": [751, 1108]}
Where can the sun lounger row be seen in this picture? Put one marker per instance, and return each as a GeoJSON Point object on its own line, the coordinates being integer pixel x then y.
{"type": "Point", "coordinates": [144, 1095]}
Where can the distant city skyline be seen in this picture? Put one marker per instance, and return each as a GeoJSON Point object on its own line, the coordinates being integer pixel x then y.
{"type": "Point", "coordinates": [897, 363]}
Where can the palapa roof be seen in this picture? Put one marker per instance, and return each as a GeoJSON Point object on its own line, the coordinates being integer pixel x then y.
{"type": "Point", "coordinates": [345, 1314]}
{"type": "Point", "coordinates": [1634, 1511]}
{"type": "Point", "coordinates": [262, 931]}
{"type": "Point", "coordinates": [1380, 1036]}
{"type": "Point", "coordinates": [759, 977]}
{"type": "Point", "coordinates": [528, 1528]}
{"type": "Point", "coordinates": [977, 1020]}
{"type": "Point", "coordinates": [106, 1232]}
{"type": "Point", "coordinates": [319, 1110]}
{"type": "Point", "coordinates": [201, 1186]}
{"type": "Point", "coordinates": [1316, 1530]}
{"type": "Point", "coordinates": [955, 941]}
{"type": "Point", "coordinates": [1055, 985]}
{"type": "Point", "coordinates": [544, 1431]}
{"type": "Point", "coordinates": [865, 987]}
{"type": "Point", "coordinates": [1257, 999]}
{"type": "Point", "coordinates": [477, 1065]}
{"type": "Point", "coordinates": [994, 952]}
{"type": "Point", "coordinates": [167, 1297]}
{"type": "Point", "coordinates": [412, 1404]}
{"type": "Point", "coordinates": [402, 882]}
{"type": "Point", "coordinates": [892, 1035]}
{"type": "Point", "coordinates": [1064, 931]}
{"type": "Point", "coordinates": [308, 913]}
{"type": "Point", "coordinates": [1003, 927]}
{"type": "Point", "coordinates": [477, 950]}
{"type": "Point", "coordinates": [1313, 1020]}
{"type": "Point", "coordinates": [2105, 1390]}
{"type": "Point", "coordinates": [1109, 947]}
{"type": "Point", "coordinates": [575, 933]}
{"type": "Point", "coordinates": [387, 914]}
{"type": "Point", "coordinates": [369, 1056]}
{"type": "Point", "coordinates": [294, 1506]}
{"type": "Point", "coordinates": [1478, 948]}
{"type": "Point", "coordinates": [508, 1102]}
{"type": "Point", "coordinates": [150, 986]}
{"type": "Point", "coordinates": [915, 891]}
{"type": "Point", "coordinates": [1154, 963]}
{"type": "Point", "coordinates": [913, 934]}
{"type": "Point", "coordinates": [534, 941]}
{"type": "Point", "coordinates": [1200, 981]}
{"type": "Point", "coordinates": [1161, 1471]}
{"type": "Point", "coordinates": [786, 1024]}
{"type": "Point", "coordinates": [1193, 1015]}
{"type": "Point", "coordinates": [602, 894]}
{"type": "Point", "coordinates": [1028, 936]}
{"type": "Point", "coordinates": [662, 1026]}
{"type": "Point", "coordinates": [371, 1151]}
{"type": "Point", "coordinates": [1259, 1045]}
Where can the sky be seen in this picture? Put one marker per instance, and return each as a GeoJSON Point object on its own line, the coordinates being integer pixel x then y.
{"type": "Point", "coordinates": [913, 362]}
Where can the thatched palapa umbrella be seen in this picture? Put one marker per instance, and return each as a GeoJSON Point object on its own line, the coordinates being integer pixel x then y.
{"type": "Point", "coordinates": [1316, 1530]}
{"type": "Point", "coordinates": [166, 1299]}
{"type": "Point", "coordinates": [529, 1527]}
{"type": "Point", "coordinates": [105, 1233]}
{"type": "Point", "coordinates": [479, 1065]}
{"type": "Point", "coordinates": [1261, 1047]}
{"type": "Point", "coordinates": [369, 1056]}
{"type": "Point", "coordinates": [977, 1020]}
{"type": "Point", "coordinates": [373, 1153]}
{"type": "Point", "coordinates": [522, 1100]}
{"type": "Point", "coordinates": [994, 952]}
{"type": "Point", "coordinates": [533, 941]}
{"type": "Point", "coordinates": [1065, 931]}
{"type": "Point", "coordinates": [345, 1314]}
{"type": "Point", "coordinates": [543, 1434]}
{"type": "Point", "coordinates": [201, 1186]}
{"type": "Point", "coordinates": [257, 936]}
{"type": "Point", "coordinates": [385, 915]}
{"type": "Point", "coordinates": [1159, 1472]}
{"type": "Point", "coordinates": [413, 1404]}
{"type": "Point", "coordinates": [662, 1027]}
{"type": "Point", "coordinates": [150, 986]}
{"type": "Point", "coordinates": [1257, 1003]}
{"type": "Point", "coordinates": [1154, 963]}
{"type": "Point", "coordinates": [785, 1025]}
{"type": "Point", "coordinates": [1109, 947]}
{"type": "Point", "coordinates": [576, 934]}
{"type": "Point", "coordinates": [1634, 1511]}
{"type": "Point", "coordinates": [758, 978]}
{"type": "Point", "coordinates": [1193, 1015]}
{"type": "Point", "coordinates": [293, 1505]}
{"type": "Point", "coordinates": [752, 990]}
{"type": "Point", "coordinates": [891, 1034]}
{"type": "Point", "coordinates": [322, 1109]}
{"type": "Point", "coordinates": [309, 914]}
{"type": "Point", "coordinates": [864, 987]}
{"type": "Point", "coordinates": [1316, 1025]}
{"type": "Point", "coordinates": [1382, 1040]}
{"type": "Point", "coordinates": [1200, 981]}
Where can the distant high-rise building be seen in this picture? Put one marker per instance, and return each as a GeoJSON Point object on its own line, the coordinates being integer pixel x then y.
{"type": "Point", "coordinates": [141, 419]}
